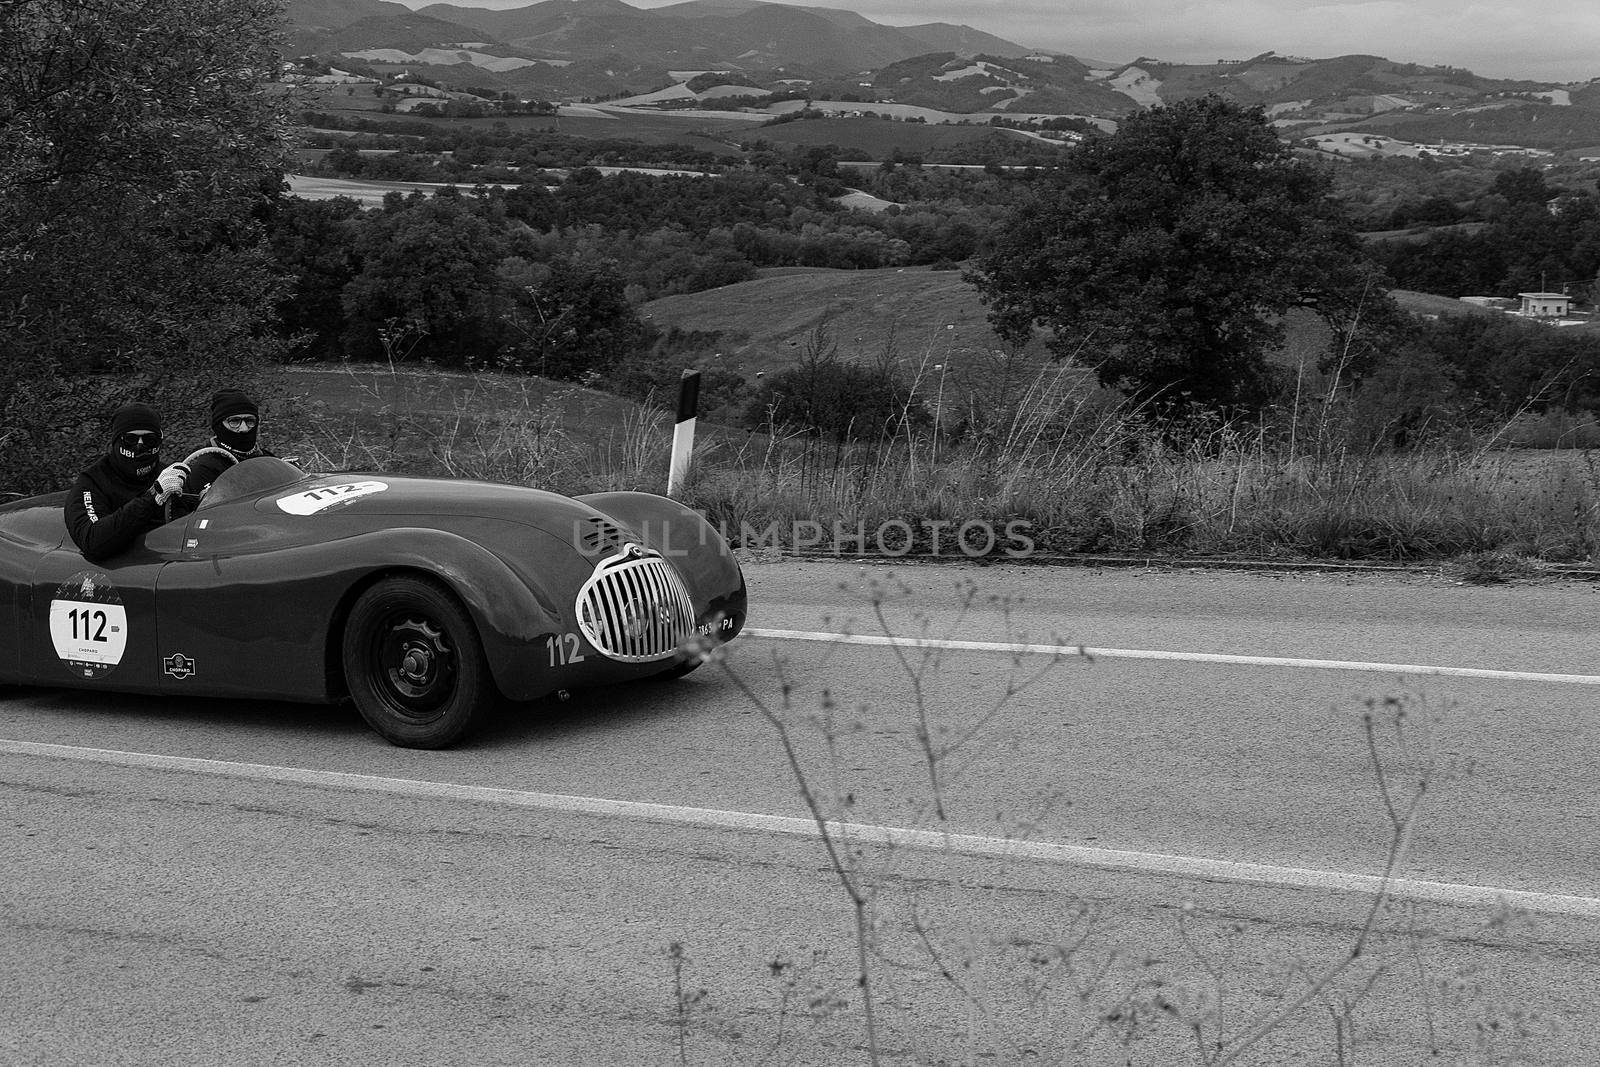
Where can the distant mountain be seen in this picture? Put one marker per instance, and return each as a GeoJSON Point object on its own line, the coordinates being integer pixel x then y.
{"type": "Point", "coordinates": [963, 40]}
{"type": "Point", "coordinates": [733, 34]}
{"type": "Point", "coordinates": [410, 32]}
{"type": "Point", "coordinates": [310, 21]}
{"type": "Point", "coordinates": [565, 49]}
{"type": "Point", "coordinates": [983, 83]}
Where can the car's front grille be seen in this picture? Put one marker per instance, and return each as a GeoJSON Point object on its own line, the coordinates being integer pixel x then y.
{"type": "Point", "coordinates": [634, 607]}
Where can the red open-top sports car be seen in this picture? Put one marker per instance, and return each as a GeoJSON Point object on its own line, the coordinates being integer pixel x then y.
{"type": "Point", "coordinates": [420, 599]}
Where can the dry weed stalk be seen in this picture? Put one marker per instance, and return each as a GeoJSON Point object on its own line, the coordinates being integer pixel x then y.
{"type": "Point", "coordinates": [1119, 999]}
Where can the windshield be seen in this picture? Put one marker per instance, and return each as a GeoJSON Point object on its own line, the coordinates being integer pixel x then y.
{"type": "Point", "coordinates": [249, 477]}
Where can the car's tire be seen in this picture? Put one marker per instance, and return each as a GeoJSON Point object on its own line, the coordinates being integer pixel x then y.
{"type": "Point", "coordinates": [413, 663]}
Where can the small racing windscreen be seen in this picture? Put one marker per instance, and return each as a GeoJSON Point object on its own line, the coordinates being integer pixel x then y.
{"type": "Point", "coordinates": [250, 477]}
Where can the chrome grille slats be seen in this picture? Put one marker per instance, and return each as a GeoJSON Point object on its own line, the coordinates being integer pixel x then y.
{"type": "Point", "coordinates": [657, 593]}
{"type": "Point", "coordinates": [639, 614]}
{"type": "Point", "coordinates": [634, 607]}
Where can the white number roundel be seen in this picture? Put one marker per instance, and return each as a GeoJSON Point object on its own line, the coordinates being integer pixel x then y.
{"type": "Point", "coordinates": [88, 625]}
{"type": "Point", "coordinates": [328, 496]}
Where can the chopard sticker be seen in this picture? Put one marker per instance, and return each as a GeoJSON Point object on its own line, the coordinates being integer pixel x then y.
{"type": "Point", "coordinates": [179, 666]}
{"type": "Point", "coordinates": [88, 624]}
{"type": "Point", "coordinates": [328, 496]}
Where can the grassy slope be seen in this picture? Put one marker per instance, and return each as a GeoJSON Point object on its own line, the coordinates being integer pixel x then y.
{"type": "Point", "coordinates": [934, 317]}
{"type": "Point", "coordinates": [426, 392]}
{"type": "Point", "coordinates": [876, 137]}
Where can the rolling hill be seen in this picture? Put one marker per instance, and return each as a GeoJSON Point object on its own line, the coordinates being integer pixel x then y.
{"type": "Point", "coordinates": [566, 50]}
{"type": "Point", "coordinates": [700, 34]}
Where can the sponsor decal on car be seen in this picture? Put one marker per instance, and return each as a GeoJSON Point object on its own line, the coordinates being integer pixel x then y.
{"type": "Point", "coordinates": [88, 624]}
{"type": "Point", "coordinates": [324, 497]}
{"type": "Point", "coordinates": [179, 666]}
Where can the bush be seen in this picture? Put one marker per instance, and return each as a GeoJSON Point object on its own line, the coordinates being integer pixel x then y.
{"type": "Point", "coordinates": [652, 377]}
{"type": "Point", "coordinates": [824, 395]}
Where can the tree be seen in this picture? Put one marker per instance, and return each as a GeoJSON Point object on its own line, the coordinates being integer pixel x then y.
{"type": "Point", "coordinates": [137, 148]}
{"type": "Point", "coordinates": [314, 242]}
{"type": "Point", "coordinates": [1525, 185]}
{"type": "Point", "coordinates": [428, 268]}
{"type": "Point", "coordinates": [571, 318]}
{"type": "Point", "coordinates": [1166, 253]}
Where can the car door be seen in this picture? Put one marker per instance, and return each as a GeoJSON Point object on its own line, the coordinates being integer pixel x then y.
{"type": "Point", "coordinates": [244, 609]}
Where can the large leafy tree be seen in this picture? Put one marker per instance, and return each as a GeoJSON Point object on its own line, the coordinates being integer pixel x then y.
{"type": "Point", "coordinates": [427, 287]}
{"type": "Point", "coordinates": [571, 317]}
{"type": "Point", "coordinates": [137, 150]}
{"type": "Point", "coordinates": [314, 241]}
{"type": "Point", "coordinates": [1166, 253]}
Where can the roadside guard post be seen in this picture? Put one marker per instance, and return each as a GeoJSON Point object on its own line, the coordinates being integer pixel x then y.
{"type": "Point", "coordinates": [683, 431]}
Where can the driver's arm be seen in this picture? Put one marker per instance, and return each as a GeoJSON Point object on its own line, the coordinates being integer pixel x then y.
{"type": "Point", "coordinates": [100, 532]}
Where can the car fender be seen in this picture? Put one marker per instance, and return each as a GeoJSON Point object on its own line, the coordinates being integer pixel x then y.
{"type": "Point", "coordinates": [514, 608]}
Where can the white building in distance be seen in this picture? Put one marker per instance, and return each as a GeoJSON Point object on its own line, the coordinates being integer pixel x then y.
{"type": "Point", "coordinates": [1545, 305]}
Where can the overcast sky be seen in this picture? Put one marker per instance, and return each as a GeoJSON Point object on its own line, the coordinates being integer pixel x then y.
{"type": "Point", "coordinates": [1547, 40]}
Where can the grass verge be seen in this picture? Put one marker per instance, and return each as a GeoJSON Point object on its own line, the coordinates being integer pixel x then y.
{"type": "Point", "coordinates": [1051, 468]}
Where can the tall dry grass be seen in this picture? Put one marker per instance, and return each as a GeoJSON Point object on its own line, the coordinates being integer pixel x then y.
{"type": "Point", "coordinates": [1088, 474]}
{"type": "Point", "coordinates": [1084, 471]}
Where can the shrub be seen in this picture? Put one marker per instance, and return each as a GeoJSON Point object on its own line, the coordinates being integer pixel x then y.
{"type": "Point", "coordinates": [824, 395]}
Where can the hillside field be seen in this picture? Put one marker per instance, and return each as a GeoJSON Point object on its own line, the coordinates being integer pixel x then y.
{"type": "Point", "coordinates": [712, 131]}
{"type": "Point", "coordinates": [878, 139]}
{"type": "Point", "coordinates": [702, 130]}
{"type": "Point", "coordinates": [931, 317]}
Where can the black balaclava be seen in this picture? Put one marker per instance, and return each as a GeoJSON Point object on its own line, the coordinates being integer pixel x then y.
{"type": "Point", "coordinates": [135, 468]}
{"type": "Point", "coordinates": [226, 402]}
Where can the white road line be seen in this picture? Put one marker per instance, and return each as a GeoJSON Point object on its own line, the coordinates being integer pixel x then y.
{"type": "Point", "coordinates": [1109, 859]}
{"type": "Point", "coordinates": [1187, 657]}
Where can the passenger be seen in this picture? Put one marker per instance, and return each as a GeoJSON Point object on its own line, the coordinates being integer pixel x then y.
{"type": "Point", "coordinates": [120, 497]}
{"type": "Point", "coordinates": [236, 430]}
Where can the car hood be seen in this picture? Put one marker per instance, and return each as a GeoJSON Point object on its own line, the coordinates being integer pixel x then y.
{"type": "Point", "coordinates": [442, 503]}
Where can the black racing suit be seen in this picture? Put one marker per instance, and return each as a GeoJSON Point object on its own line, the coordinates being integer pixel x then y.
{"type": "Point", "coordinates": [106, 513]}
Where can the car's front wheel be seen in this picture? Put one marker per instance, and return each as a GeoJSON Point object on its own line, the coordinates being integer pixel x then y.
{"type": "Point", "coordinates": [413, 663]}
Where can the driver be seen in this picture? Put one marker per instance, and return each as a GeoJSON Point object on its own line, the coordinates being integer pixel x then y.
{"type": "Point", "coordinates": [120, 496]}
{"type": "Point", "coordinates": [235, 430]}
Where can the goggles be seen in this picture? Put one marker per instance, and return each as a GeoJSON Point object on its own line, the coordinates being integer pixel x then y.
{"type": "Point", "coordinates": [139, 441]}
{"type": "Point", "coordinates": [239, 423]}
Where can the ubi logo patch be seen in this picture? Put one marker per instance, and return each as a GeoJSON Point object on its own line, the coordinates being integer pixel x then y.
{"type": "Point", "coordinates": [179, 666]}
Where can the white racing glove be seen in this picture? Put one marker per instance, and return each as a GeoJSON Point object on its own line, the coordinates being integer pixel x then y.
{"type": "Point", "coordinates": [170, 481]}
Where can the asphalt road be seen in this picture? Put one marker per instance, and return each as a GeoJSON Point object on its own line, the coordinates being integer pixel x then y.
{"type": "Point", "coordinates": [189, 882]}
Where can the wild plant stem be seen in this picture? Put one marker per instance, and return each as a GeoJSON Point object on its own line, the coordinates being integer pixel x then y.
{"type": "Point", "coordinates": [859, 899]}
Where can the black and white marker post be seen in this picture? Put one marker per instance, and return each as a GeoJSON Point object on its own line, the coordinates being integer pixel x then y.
{"type": "Point", "coordinates": [683, 431]}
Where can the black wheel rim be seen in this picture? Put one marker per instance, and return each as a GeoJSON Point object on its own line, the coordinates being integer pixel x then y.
{"type": "Point", "coordinates": [413, 666]}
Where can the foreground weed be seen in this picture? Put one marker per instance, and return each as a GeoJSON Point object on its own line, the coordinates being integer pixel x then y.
{"type": "Point", "coordinates": [841, 862]}
{"type": "Point", "coordinates": [936, 981]}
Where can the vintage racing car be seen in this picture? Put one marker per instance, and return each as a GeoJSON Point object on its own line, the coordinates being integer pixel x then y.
{"type": "Point", "coordinates": [422, 600]}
